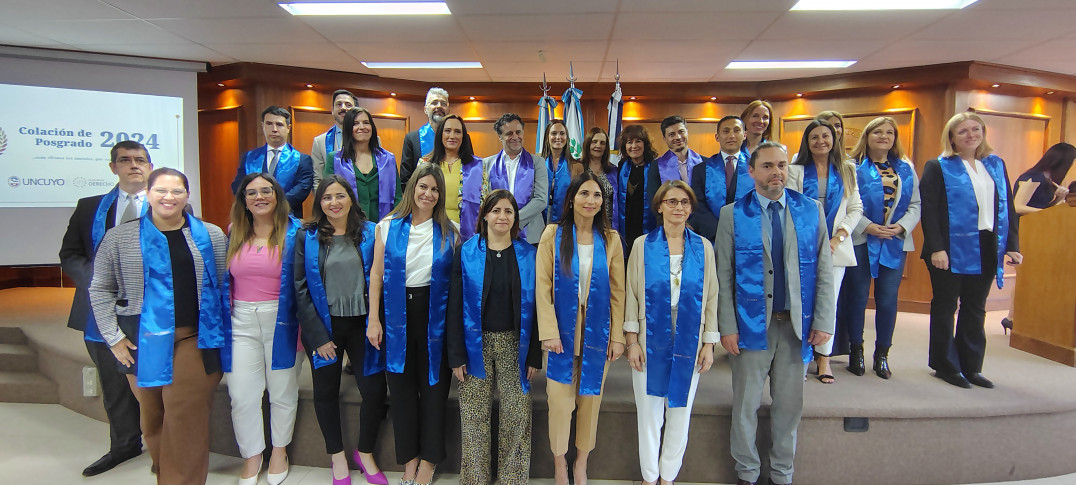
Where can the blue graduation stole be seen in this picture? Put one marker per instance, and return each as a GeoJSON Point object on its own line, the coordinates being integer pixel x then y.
{"type": "Point", "coordinates": [596, 325]}
{"type": "Point", "coordinates": [157, 324]}
{"type": "Point", "coordinates": [670, 356]}
{"type": "Point", "coordinates": [386, 179]}
{"type": "Point", "coordinates": [751, 311]}
{"type": "Point", "coordinates": [330, 143]}
{"type": "Point", "coordinates": [286, 330]}
{"type": "Point", "coordinates": [964, 255]}
{"type": "Point", "coordinates": [622, 196]}
{"type": "Point", "coordinates": [97, 233]}
{"type": "Point", "coordinates": [374, 361]}
{"type": "Point", "coordinates": [888, 252]}
{"type": "Point", "coordinates": [524, 180]}
{"type": "Point", "coordinates": [834, 191]}
{"type": "Point", "coordinates": [717, 186]}
{"type": "Point", "coordinates": [286, 164]}
{"type": "Point", "coordinates": [559, 181]}
{"type": "Point", "coordinates": [395, 297]}
{"type": "Point", "coordinates": [473, 257]}
{"type": "Point", "coordinates": [471, 174]}
{"type": "Point", "coordinates": [668, 165]}
{"type": "Point", "coordinates": [425, 139]}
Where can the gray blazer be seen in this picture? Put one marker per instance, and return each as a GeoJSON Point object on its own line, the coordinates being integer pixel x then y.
{"type": "Point", "coordinates": [530, 215]}
{"type": "Point", "coordinates": [825, 310]}
{"type": "Point", "coordinates": [317, 154]}
{"type": "Point", "coordinates": [118, 285]}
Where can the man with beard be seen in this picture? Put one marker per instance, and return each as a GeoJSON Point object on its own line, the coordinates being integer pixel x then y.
{"type": "Point", "coordinates": [675, 164]}
{"type": "Point", "coordinates": [420, 142]}
{"type": "Point", "coordinates": [92, 217]}
{"type": "Point", "coordinates": [772, 242]}
{"type": "Point", "coordinates": [327, 143]}
{"type": "Point", "coordinates": [513, 169]}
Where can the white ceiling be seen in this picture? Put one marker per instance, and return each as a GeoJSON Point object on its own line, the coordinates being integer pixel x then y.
{"type": "Point", "coordinates": [654, 40]}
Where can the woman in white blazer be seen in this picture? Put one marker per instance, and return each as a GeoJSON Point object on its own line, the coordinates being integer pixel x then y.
{"type": "Point", "coordinates": [882, 239]}
{"type": "Point", "coordinates": [820, 159]}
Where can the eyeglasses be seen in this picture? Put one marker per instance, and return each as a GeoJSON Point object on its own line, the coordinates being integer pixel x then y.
{"type": "Point", "coordinates": [161, 191]}
{"type": "Point", "coordinates": [264, 191]}
{"type": "Point", "coordinates": [672, 203]}
{"type": "Point", "coordinates": [132, 161]}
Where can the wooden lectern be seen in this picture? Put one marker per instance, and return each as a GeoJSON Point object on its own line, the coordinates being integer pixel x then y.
{"type": "Point", "coordinates": [1044, 314]}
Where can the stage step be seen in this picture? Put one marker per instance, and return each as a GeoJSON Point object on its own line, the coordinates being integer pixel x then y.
{"type": "Point", "coordinates": [20, 380]}
{"type": "Point", "coordinates": [17, 358]}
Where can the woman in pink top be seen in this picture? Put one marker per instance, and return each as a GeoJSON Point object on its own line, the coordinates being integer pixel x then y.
{"type": "Point", "coordinates": [261, 350]}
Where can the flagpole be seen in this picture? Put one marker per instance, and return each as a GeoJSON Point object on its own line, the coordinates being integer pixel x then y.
{"type": "Point", "coordinates": [546, 105]}
{"type": "Point", "coordinates": [616, 112]}
{"type": "Point", "coordinates": [573, 115]}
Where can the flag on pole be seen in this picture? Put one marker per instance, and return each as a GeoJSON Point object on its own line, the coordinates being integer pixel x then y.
{"type": "Point", "coordinates": [573, 120]}
{"type": "Point", "coordinates": [546, 106]}
{"type": "Point", "coordinates": [616, 109]}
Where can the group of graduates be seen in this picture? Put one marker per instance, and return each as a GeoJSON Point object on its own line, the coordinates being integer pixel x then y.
{"type": "Point", "coordinates": [491, 269]}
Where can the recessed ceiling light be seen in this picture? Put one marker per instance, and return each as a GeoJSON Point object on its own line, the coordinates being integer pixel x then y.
{"type": "Point", "coordinates": [995, 85]}
{"type": "Point", "coordinates": [366, 8]}
{"type": "Point", "coordinates": [632, 98]}
{"type": "Point", "coordinates": [220, 84]}
{"type": "Point", "coordinates": [309, 85]}
{"type": "Point", "coordinates": [423, 65]}
{"type": "Point", "coordinates": [392, 94]}
{"type": "Point", "coordinates": [1049, 92]}
{"type": "Point", "coordinates": [788, 64]}
{"type": "Point", "coordinates": [470, 98]}
{"type": "Point", "coordinates": [896, 86]}
{"type": "Point", "coordinates": [799, 95]}
{"type": "Point", "coordinates": [713, 98]}
{"type": "Point", "coordinates": [882, 4]}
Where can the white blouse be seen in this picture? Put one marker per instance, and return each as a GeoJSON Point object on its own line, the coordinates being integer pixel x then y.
{"type": "Point", "coordinates": [983, 185]}
{"type": "Point", "coordinates": [419, 251]}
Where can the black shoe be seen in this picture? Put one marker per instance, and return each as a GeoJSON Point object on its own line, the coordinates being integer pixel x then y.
{"type": "Point", "coordinates": [955, 379]}
{"type": "Point", "coordinates": [980, 381]}
{"type": "Point", "coordinates": [855, 361]}
{"type": "Point", "coordinates": [109, 461]}
{"type": "Point", "coordinates": [349, 370]}
{"type": "Point", "coordinates": [1006, 324]}
{"type": "Point", "coordinates": [881, 362]}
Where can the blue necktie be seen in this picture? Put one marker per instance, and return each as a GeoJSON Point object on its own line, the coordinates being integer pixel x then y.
{"type": "Point", "coordinates": [777, 257]}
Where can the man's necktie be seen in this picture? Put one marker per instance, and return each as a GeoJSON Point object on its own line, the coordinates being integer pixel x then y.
{"type": "Point", "coordinates": [777, 257]}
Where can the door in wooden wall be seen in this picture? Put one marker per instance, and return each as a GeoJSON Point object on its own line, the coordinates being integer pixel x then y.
{"type": "Point", "coordinates": [218, 153]}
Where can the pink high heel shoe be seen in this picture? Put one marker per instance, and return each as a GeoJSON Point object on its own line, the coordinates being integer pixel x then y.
{"type": "Point", "coordinates": [375, 479]}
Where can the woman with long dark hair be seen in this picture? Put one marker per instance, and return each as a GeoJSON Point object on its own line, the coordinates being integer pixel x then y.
{"type": "Point", "coordinates": [889, 189]}
{"type": "Point", "coordinates": [462, 170]}
{"type": "Point", "coordinates": [670, 325]}
{"type": "Point", "coordinates": [411, 273]}
{"type": "Point", "coordinates": [595, 160]}
{"type": "Point", "coordinates": [969, 228]}
{"type": "Point", "coordinates": [637, 151]}
{"type": "Point", "coordinates": [492, 341]}
{"type": "Point", "coordinates": [259, 304]}
{"type": "Point", "coordinates": [368, 168]}
{"type": "Point", "coordinates": [333, 255]}
{"type": "Point", "coordinates": [820, 171]}
{"type": "Point", "coordinates": [580, 296]}
{"type": "Point", "coordinates": [156, 296]}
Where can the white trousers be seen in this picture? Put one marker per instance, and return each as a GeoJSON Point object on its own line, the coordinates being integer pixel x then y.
{"type": "Point", "coordinates": [661, 457]}
{"type": "Point", "coordinates": [253, 325]}
{"type": "Point", "coordinates": [838, 277]}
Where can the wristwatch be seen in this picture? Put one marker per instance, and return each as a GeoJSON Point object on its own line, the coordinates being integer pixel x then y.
{"type": "Point", "coordinates": [841, 237]}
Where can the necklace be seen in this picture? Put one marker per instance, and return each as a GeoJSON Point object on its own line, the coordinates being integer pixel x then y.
{"type": "Point", "coordinates": [676, 269]}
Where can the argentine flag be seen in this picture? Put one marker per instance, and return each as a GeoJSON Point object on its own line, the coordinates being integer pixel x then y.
{"type": "Point", "coordinates": [616, 108]}
{"type": "Point", "coordinates": [546, 107]}
{"type": "Point", "coordinates": [573, 121]}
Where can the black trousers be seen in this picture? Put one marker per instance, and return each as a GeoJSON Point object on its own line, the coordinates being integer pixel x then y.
{"type": "Point", "coordinates": [418, 409]}
{"type": "Point", "coordinates": [964, 295]}
{"type": "Point", "coordinates": [121, 407]}
{"type": "Point", "coordinates": [349, 335]}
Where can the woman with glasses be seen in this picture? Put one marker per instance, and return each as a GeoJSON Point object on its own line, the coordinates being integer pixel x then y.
{"type": "Point", "coordinates": [670, 274]}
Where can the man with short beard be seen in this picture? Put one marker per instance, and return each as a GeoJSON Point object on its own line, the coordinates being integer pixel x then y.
{"type": "Point", "coordinates": [327, 143]}
{"type": "Point", "coordinates": [418, 143]}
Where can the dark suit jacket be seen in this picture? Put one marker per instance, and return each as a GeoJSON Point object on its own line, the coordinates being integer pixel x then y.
{"type": "Point", "coordinates": [455, 345]}
{"type": "Point", "coordinates": [300, 188]}
{"type": "Point", "coordinates": [76, 255]}
{"type": "Point", "coordinates": [412, 151]}
{"type": "Point", "coordinates": [703, 220]}
{"type": "Point", "coordinates": [935, 215]}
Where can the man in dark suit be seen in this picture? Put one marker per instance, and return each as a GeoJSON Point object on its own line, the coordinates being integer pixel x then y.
{"type": "Point", "coordinates": [775, 301]}
{"type": "Point", "coordinates": [721, 179]}
{"type": "Point", "coordinates": [294, 170]}
{"type": "Point", "coordinates": [419, 143]}
{"type": "Point", "coordinates": [92, 217]}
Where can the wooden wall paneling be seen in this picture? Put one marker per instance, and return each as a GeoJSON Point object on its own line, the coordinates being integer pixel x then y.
{"type": "Point", "coordinates": [218, 154]}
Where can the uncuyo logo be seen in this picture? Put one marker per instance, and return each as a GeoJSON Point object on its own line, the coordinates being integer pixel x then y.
{"type": "Point", "coordinates": [3, 141]}
{"type": "Point", "coordinates": [13, 181]}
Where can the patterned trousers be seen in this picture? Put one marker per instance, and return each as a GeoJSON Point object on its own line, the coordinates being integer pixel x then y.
{"type": "Point", "coordinates": [500, 356]}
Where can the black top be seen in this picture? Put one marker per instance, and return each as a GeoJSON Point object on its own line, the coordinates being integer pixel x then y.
{"type": "Point", "coordinates": [498, 314]}
{"type": "Point", "coordinates": [501, 295]}
{"type": "Point", "coordinates": [633, 205]}
{"type": "Point", "coordinates": [184, 281]}
{"type": "Point", "coordinates": [1044, 194]}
